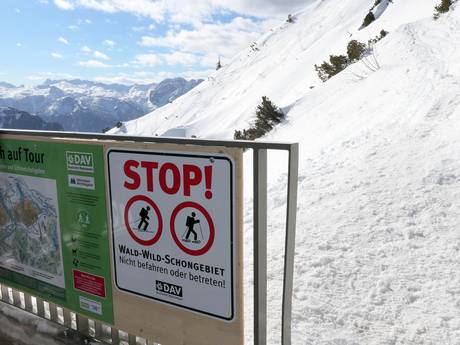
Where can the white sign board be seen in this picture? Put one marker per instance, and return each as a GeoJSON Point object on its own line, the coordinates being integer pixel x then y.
{"type": "Point", "coordinates": [173, 228]}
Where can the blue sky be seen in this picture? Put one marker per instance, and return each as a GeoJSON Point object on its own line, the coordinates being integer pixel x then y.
{"type": "Point", "coordinates": [128, 41]}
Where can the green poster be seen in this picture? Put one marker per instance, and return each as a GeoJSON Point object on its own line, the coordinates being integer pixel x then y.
{"type": "Point", "coordinates": [53, 224]}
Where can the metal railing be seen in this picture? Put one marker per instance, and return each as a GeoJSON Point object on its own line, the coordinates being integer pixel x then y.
{"type": "Point", "coordinates": [99, 331]}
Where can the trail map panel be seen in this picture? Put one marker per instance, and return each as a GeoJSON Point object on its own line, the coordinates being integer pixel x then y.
{"type": "Point", "coordinates": [53, 223]}
{"type": "Point", "coordinates": [173, 228]}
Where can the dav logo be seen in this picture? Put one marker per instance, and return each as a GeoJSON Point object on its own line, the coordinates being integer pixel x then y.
{"type": "Point", "coordinates": [79, 161]}
{"type": "Point", "coordinates": [168, 288]}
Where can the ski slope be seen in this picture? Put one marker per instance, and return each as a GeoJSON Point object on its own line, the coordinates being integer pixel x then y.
{"type": "Point", "coordinates": [378, 240]}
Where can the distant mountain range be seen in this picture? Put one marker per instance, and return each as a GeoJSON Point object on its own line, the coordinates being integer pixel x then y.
{"type": "Point", "coordinates": [18, 119]}
{"type": "Point", "coordinates": [82, 105]}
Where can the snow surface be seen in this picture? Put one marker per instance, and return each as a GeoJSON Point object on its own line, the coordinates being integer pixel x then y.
{"type": "Point", "coordinates": [23, 328]}
{"type": "Point", "coordinates": [378, 241]}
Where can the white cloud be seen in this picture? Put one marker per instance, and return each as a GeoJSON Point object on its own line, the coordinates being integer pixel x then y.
{"type": "Point", "coordinates": [63, 40]}
{"type": "Point", "coordinates": [86, 49]}
{"type": "Point", "coordinates": [109, 43]}
{"type": "Point", "coordinates": [18, 44]}
{"type": "Point", "coordinates": [138, 28]}
{"type": "Point", "coordinates": [263, 8]}
{"type": "Point", "coordinates": [144, 77]}
{"type": "Point", "coordinates": [93, 64]}
{"type": "Point", "coordinates": [99, 55]}
{"type": "Point", "coordinates": [186, 11]}
{"type": "Point", "coordinates": [143, 28]}
{"type": "Point", "coordinates": [180, 58]}
{"type": "Point", "coordinates": [73, 27]}
{"type": "Point", "coordinates": [195, 12]}
{"type": "Point", "coordinates": [210, 39]}
{"type": "Point", "coordinates": [40, 76]}
{"type": "Point", "coordinates": [144, 8]}
{"type": "Point", "coordinates": [57, 55]}
{"type": "Point", "coordinates": [64, 4]}
{"type": "Point", "coordinates": [44, 2]}
{"type": "Point", "coordinates": [147, 59]}
{"type": "Point", "coordinates": [173, 58]}
{"type": "Point", "coordinates": [83, 21]}
{"type": "Point", "coordinates": [17, 10]}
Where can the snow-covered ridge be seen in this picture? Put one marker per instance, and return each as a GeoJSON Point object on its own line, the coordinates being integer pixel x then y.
{"type": "Point", "coordinates": [82, 105]}
{"type": "Point", "coordinates": [279, 65]}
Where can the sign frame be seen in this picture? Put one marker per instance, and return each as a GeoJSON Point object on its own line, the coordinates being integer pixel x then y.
{"type": "Point", "coordinates": [232, 218]}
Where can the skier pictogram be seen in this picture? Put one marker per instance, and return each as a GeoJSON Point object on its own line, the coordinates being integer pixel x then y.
{"type": "Point", "coordinates": [144, 214]}
{"type": "Point", "coordinates": [142, 219]}
{"type": "Point", "coordinates": [190, 224]}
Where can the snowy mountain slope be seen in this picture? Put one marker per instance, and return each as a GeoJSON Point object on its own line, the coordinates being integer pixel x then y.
{"type": "Point", "coordinates": [82, 105]}
{"type": "Point", "coordinates": [378, 241]}
{"type": "Point", "coordinates": [279, 65]}
{"type": "Point", "coordinates": [169, 89]}
{"type": "Point", "coordinates": [378, 244]}
{"type": "Point", "coordinates": [6, 85]}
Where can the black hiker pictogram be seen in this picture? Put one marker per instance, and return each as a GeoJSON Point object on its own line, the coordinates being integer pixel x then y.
{"type": "Point", "coordinates": [190, 223]}
{"type": "Point", "coordinates": [144, 214]}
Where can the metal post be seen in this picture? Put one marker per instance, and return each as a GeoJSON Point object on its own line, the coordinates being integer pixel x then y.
{"type": "Point", "coordinates": [260, 246]}
{"type": "Point", "coordinates": [98, 332]}
{"type": "Point", "coordinates": [115, 336]}
{"type": "Point", "coordinates": [40, 307]}
{"type": "Point", "coordinates": [53, 312]}
{"type": "Point", "coordinates": [5, 293]}
{"type": "Point", "coordinates": [16, 298]}
{"type": "Point", "coordinates": [289, 249]}
{"type": "Point", "coordinates": [132, 340]}
{"type": "Point", "coordinates": [82, 324]}
{"type": "Point", "coordinates": [28, 302]}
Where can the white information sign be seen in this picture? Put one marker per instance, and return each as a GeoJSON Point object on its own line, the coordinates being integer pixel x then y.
{"type": "Point", "coordinates": [173, 228]}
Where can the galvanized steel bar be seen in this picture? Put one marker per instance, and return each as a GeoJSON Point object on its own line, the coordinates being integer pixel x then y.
{"type": "Point", "coordinates": [260, 246]}
{"type": "Point", "coordinates": [16, 298]}
{"type": "Point", "coordinates": [40, 307]}
{"type": "Point", "coordinates": [289, 251]}
{"type": "Point", "coordinates": [67, 317]}
{"type": "Point", "coordinates": [98, 333]}
{"type": "Point", "coordinates": [115, 336]}
{"type": "Point", "coordinates": [268, 145]}
{"type": "Point", "coordinates": [28, 302]}
{"type": "Point", "coordinates": [132, 339]}
{"type": "Point", "coordinates": [5, 295]}
{"type": "Point", "coordinates": [53, 312]}
{"type": "Point", "coordinates": [82, 324]}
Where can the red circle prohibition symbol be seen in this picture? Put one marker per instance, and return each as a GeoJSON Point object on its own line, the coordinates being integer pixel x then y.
{"type": "Point", "coordinates": [212, 231]}
{"type": "Point", "coordinates": [157, 211]}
